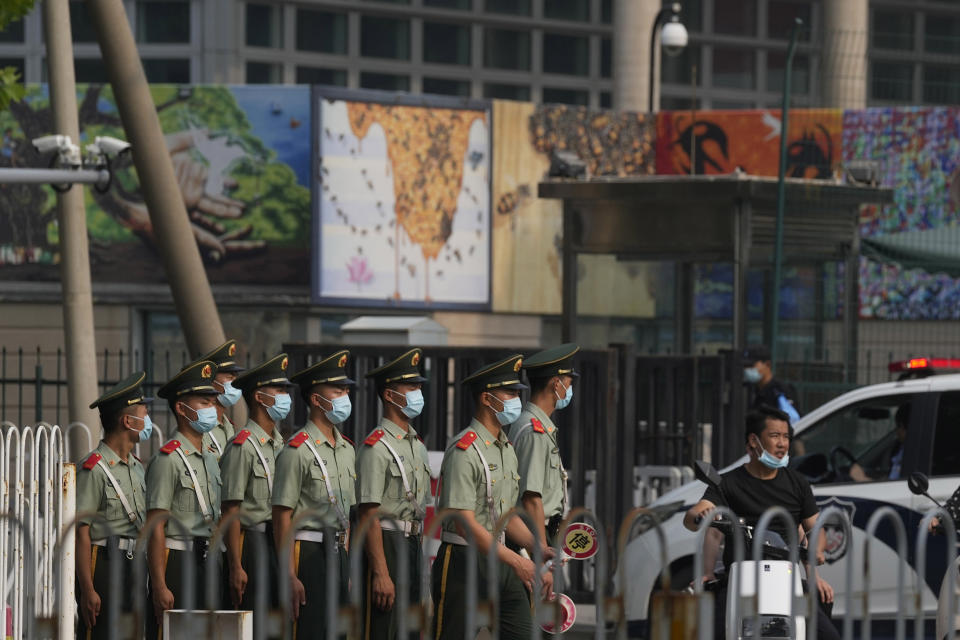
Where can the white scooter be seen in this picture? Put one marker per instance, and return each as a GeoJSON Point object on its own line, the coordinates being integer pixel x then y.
{"type": "Point", "coordinates": [774, 588]}
{"type": "Point", "coordinates": [919, 485]}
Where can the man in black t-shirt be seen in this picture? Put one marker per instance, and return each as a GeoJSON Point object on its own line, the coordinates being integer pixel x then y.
{"type": "Point", "coordinates": [761, 483]}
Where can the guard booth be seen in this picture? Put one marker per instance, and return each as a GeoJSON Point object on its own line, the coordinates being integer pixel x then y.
{"type": "Point", "coordinates": [702, 219]}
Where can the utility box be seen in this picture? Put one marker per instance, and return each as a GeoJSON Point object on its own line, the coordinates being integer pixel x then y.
{"type": "Point", "coordinates": [419, 331]}
{"type": "Point", "coordinates": [215, 625]}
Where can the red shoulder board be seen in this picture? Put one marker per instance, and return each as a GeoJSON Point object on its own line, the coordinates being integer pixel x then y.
{"type": "Point", "coordinates": [92, 461]}
{"type": "Point", "coordinates": [467, 440]}
{"type": "Point", "coordinates": [352, 444]}
{"type": "Point", "coordinates": [421, 440]}
{"type": "Point", "coordinates": [171, 446]}
{"type": "Point", "coordinates": [374, 437]}
{"type": "Point", "coordinates": [241, 437]}
{"type": "Point", "coordinates": [299, 439]}
{"type": "Point", "coordinates": [537, 425]}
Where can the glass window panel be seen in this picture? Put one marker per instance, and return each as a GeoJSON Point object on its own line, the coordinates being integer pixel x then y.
{"type": "Point", "coordinates": [166, 71]}
{"type": "Point", "coordinates": [446, 43]}
{"type": "Point", "coordinates": [606, 58]}
{"type": "Point", "coordinates": [891, 80]}
{"type": "Point", "coordinates": [384, 81]}
{"type": "Point", "coordinates": [691, 15]}
{"type": "Point", "coordinates": [446, 87]}
{"type": "Point", "coordinates": [517, 7]}
{"type": "Point", "coordinates": [892, 30]}
{"type": "Point", "coordinates": [384, 38]}
{"type": "Point", "coordinates": [776, 63]}
{"type": "Point", "coordinates": [90, 70]}
{"type": "Point", "coordinates": [263, 73]}
{"type": "Point", "coordinates": [578, 10]}
{"type": "Point", "coordinates": [606, 11]}
{"type": "Point", "coordinates": [163, 22]}
{"type": "Point", "coordinates": [941, 85]}
{"type": "Point", "coordinates": [81, 27]}
{"type": "Point", "coordinates": [606, 100]}
{"type": "Point", "coordinates": [506, 49]}
{"type": "Point", "coordinates": [566, 96]}
{"type": "Point", "coordinates": [14, 30]}
{"type": "Point", "coordinates": [566, 54]}
{"type": "Point", "coordinates": [733, 69]}
{"type": "Point", "coordinates": [732, 105]}
{"type": "Point", "coordinates": [321, 31]}
{"type": "Point", "coordinates": [317, 75]}
{"type": "Point", "coordinates": [395, 1]}
{"type": "Point", "coordinates": [678, 69]}
{"type": "Point", "coordinates": [946, 442]}
{"type": "Point", "coordinates": [736, 17]}
{"type": "Point", "coordinates": [450, 4]}
{"type": "Point", "coordinates": [506, 91]}
{"type": "Point", "coordinates": [941, 34]}
{"type": "Point", "coordinates": [781, 15]}
{"type": "Point", "coordinates": [264, 26]}
{"type": "Point", "coordinates": [678, 103]}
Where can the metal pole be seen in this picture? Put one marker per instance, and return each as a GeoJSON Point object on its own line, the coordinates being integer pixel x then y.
{"type": "Point", "coordinates": [653, 53]}
{"type": "Point", "coordinates": [78, 328]}
{"type": "Point", "coordinates": [99, 177]}
{"type": "Point", "coordinates": [161, 192]}
{"type": "Point", "coordinates": [781, 194]}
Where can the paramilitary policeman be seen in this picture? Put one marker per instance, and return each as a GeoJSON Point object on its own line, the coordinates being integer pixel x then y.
{"type": "Point", "coordinates": [479, 478]}
{"type": "Point", "coordinates": [316, 472]}
{"type": "Point", "coordinates": [183, 480]}
{"type": "Point", "coordinates": [393, 480]}
{"type": "Point", "coordinates": [111, 484]}
{"type": "Point", "coordinates": [225, 357]}
{"type": "Point", "coordinates": [248, 468]}
{"type": "Point", "coordinates": [543, 479]}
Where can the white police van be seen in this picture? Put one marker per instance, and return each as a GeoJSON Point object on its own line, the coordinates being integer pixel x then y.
{"type": "Point", "coordinates": [855, 428]}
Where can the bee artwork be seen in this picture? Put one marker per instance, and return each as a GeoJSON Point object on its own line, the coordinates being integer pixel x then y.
{"type": "Point", "coordinates": [405, 189]}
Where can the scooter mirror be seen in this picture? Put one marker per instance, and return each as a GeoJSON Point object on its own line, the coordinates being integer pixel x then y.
{"type": "Point", "coordinates": [705, 473]}
{"type": "Point", "coordinates": [918, 483]}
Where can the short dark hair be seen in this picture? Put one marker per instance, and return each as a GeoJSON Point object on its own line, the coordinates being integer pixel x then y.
{"type": "Point", "coordinates": [110, 418]}
{"type": "Point", "coordinates": [539, 384]}
{"type": "Point", "coordinates": [902, 417]}
{"type": "Point", "coordinates": [757, 420]}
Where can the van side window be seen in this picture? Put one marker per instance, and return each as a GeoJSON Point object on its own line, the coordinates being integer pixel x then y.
{"type": "Point", "coordinates": [946, 440]}
{"type": "Point", "coordinates": [862, 442]}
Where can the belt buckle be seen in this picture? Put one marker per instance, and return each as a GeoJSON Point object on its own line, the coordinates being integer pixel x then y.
{"type": "Point", "coordinates": [416, 527]}
{"type": "Point", "coordinates": [341, 538]}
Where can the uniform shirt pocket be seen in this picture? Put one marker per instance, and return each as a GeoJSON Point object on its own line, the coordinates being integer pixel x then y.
{"type": "Point", "coordinates": [395, 480]}
{"type": "Point", "coordinates": [318, 484]}
{"type": "Point", "coordinates": [261, 489]}
{"type": "Point", "coordinates": [186, 496]}
{"type": "Point", "coordinates": [114, 508]}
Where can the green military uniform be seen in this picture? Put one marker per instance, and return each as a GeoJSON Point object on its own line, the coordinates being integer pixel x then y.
{"type": "Point", "coordinates": [393, 471]}
{"type": "Point", "coordinates": [314, 475]}
{"type": "Point", "coordinates": [535, 438]}
{"type": "Point", "coordinates": [479, 474]}
{"type": "Point", "coordinates": [225, 357]}
{"type": "Point", "coordinates": [115, 489]}
{"type": "Point", "coordinates": [186, 482]}
{"type": "Point", "coordinates": [248, 468]}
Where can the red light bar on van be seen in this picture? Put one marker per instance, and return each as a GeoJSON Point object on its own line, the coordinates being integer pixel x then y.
{"type": "Point", "coordinates": [919, 364]}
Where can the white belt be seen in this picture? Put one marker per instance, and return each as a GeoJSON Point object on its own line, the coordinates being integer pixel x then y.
{"type": "Point", "coordinates": [261, 527]}
{"type": "Point", "coordinates": [125, 544]}
{"type": "Point", "coordinates": [411, 528]}
{"type": "Point", "coordinates": [179, 545]}
{"type": "Point", "coordinates": [452, 538]}
{"type": "Point", "coordinates": [317, 536]}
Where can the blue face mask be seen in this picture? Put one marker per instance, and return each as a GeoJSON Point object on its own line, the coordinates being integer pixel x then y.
{"type": "Point", "coordinates": [340, 409]}
{"type": "Point", "coordinates": [147, 427]}
{"type": "Point", "coordinates": [414, 403]}
{"type": "Point", "coordinates": [771, 461]}
{"type": "Point", "coordinates": [206, 418]}
{"type": "Point", "coordinates": [510, 412]}
{"type": "Point", "coordinates": [565, 400]}
{"type": "Point", "coordinates": [751, 375]}
{"type": "Point", "coordinates": [280, 408]}
{"type": "Point", "coordinates": [230, 396]}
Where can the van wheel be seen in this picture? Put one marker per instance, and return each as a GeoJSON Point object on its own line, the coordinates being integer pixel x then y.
{"type": "Point", "coordinates": [681, 574]}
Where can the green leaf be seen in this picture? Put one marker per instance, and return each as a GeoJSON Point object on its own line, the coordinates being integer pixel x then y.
{"type": "Point", "coordinates": [10, 87]}
{"type": "Point", "coordinates": [12, 10]}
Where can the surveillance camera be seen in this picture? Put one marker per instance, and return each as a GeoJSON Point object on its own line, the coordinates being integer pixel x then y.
{"type": "Point", "coordinates": [673, 37]}
{"type": "Point", "coordinates": [111, 147]}
{"type": "Point", "coordinates": [49, 144]}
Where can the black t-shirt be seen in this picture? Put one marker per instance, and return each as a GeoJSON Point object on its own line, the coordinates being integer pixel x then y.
{"type": "Point", "coordinates": [749, 497]}
{"type": "Point", "coordinates": [770, 393]}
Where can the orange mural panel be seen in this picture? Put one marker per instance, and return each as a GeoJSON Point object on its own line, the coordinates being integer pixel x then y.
{"type": "Point", "coordinates": [718, 142]}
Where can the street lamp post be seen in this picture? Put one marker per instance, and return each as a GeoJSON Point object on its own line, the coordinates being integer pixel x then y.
{"type": "Point", "coordinates": [673, 37]}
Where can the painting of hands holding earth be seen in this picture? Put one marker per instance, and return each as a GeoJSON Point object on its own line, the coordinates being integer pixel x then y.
{"type": "Point", "coordinates": [241, 157]}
